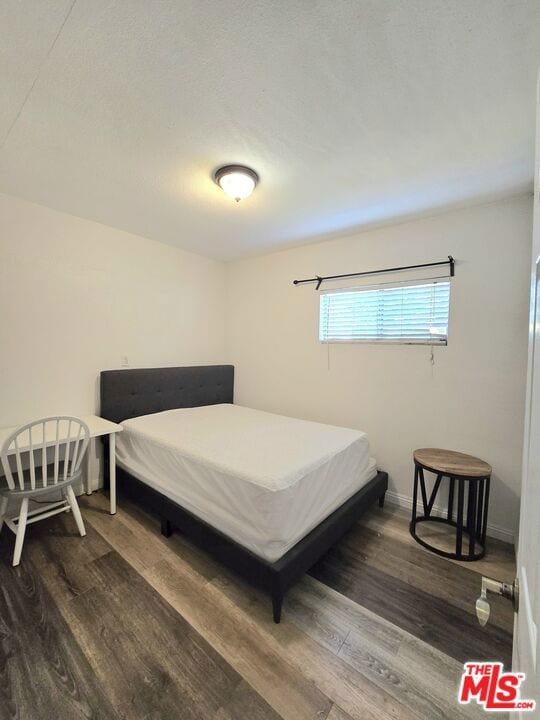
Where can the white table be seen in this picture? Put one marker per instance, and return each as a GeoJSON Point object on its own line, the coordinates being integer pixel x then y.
{"type": "Point", "coordinates": [98, 427]}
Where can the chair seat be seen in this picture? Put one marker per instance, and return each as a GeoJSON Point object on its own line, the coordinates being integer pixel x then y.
{"type": "Point", "coordinates": [39, 489]}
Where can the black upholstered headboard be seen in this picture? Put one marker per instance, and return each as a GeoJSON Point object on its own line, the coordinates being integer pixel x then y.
{"type": "Point", "coordinates": [129, 393]}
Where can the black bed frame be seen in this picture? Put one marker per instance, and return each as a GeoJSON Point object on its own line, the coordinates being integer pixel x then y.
{"type": "Point", "coordinates": [130, 393]}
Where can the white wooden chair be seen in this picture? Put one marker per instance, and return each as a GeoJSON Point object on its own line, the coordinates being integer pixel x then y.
{"type": "Point", "coordinates": [37, 459]}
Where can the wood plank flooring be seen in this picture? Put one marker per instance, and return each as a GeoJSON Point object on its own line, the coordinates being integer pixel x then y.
{"type": "Point", "coordinates": [127, 624]}
{"type": "Point", "coordinates": [401, 584]}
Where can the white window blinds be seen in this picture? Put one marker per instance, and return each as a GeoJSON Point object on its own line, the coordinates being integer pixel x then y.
{"type": "Point", "coordinates": [398, 313]}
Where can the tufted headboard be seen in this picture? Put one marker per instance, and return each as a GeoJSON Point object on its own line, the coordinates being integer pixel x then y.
{"type": "Point", "coordinates": [129, 393]}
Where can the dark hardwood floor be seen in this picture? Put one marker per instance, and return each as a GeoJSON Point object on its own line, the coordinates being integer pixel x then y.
{"type": "Point", "coordinates": [127, 624]}
{"type": "Point", "coordinates": [430, 616]}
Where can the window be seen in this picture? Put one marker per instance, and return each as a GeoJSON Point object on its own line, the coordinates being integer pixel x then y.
{"type": "Point", "coordinates": [396, 313]}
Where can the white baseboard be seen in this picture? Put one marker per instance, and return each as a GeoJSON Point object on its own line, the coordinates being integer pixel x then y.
{"type": "Point", "coordinates": [405, 502]}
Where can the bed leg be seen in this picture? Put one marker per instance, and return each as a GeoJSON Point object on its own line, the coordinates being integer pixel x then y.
{"type": "Point", "coordinates": [166, 528]}
{"type": "Point", "coordinates": [381, 500]}
{"type": "Point", "coordinates": [277, 602]}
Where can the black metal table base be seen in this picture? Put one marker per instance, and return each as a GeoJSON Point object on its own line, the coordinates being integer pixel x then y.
{"type": "Point", "coordinates": [471, 514]}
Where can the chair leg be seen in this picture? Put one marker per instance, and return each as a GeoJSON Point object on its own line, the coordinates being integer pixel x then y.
{"type": "Point", "coordinates": [21, 529]}
{"type": "Point", "coordinates": [3, 510]}
{"type": "Point", "coordinates": [74, 505]}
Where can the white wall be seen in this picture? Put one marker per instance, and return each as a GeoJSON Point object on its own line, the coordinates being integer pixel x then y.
{"type": "Point", "coordinates": [76, 296]}
{"type": "Point", "coordinates": [471, 399]}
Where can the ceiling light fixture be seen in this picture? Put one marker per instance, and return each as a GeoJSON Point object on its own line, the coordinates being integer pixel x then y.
{"type": "Point", "coordinates": [237, 181]}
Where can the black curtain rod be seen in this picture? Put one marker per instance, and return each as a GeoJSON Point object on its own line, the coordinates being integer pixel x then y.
{"type": "Point", "coordinates": [319, 280]}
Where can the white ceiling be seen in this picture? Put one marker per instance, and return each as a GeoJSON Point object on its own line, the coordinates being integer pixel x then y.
{"type": "Point", "coordinates": [353, 112]}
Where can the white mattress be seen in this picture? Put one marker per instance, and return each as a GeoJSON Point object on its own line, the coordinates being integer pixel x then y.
{"type": "Point", "coordinates": [264, 480]}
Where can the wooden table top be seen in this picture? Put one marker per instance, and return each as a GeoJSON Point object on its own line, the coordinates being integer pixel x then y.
{"type": "Point", "coordinates": [450, 462]}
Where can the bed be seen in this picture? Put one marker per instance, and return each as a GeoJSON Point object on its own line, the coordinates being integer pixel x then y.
{"type": "Point", "coordinates": [266, 494]}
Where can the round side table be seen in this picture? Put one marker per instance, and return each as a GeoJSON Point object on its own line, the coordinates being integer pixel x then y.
{"type": "Point", "coordinates": [472, 502]}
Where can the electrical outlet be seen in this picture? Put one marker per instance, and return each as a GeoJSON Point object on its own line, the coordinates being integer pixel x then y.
{"type": "Point", "coordinates": [125, 361]}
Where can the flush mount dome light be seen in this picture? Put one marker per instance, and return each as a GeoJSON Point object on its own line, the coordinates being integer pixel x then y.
{"type": "Point", "coordinates": [236, 181]}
